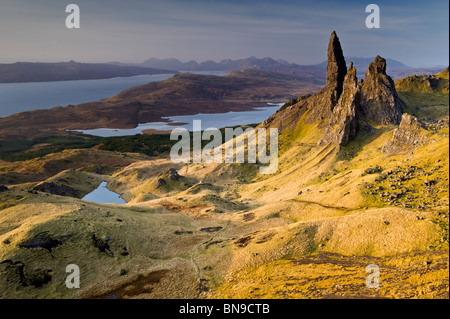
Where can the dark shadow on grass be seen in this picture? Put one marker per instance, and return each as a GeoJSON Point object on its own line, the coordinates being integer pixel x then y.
{"type": "Point", "coordinates": [366, 134]}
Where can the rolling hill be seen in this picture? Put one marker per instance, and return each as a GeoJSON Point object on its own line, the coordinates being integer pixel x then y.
{"type": "Point", "coordinates": [69, 71]}
{"type": "Point", "coordinates": [360, 182]}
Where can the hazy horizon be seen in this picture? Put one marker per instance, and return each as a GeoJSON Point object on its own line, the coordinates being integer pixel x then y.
{"type": "Point", "coordinates": [411, 32]}
{"type": "Point", "coordinates": [216, 61]}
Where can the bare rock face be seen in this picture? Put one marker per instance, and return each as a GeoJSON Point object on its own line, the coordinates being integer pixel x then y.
{"type": "Point", "coordinates": [372, 100]}
{"type": "Point", "coordinates": [343, 123]}
{"type": "Point", "coordinates": [325, 100]}
{"type": "Point", "coordinates": [336, 68]}
{"type": "Point", "coordinates": [288, 117]}
{"type": "Point", "coordinates": [407, 136]}
{"type": "Point", "coordinates": [379, 100]}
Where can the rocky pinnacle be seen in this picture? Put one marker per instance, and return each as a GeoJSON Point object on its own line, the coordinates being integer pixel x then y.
{"type": "Point", "coordinates": [337, 67]}
{"type": "Point", "coordinates": [325, 100]}
{"type": "Point", "coordinates": [344, 102]}
{"type": "Point", "coordinates": [379, 101]}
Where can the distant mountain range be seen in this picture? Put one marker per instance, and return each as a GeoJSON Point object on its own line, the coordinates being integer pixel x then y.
{"type": "Point", "coordinates": [66, 71]}
{"type": "Point", "coordinates": [395, 68]}
{"type": "Point", "coordinates": [303, 72]}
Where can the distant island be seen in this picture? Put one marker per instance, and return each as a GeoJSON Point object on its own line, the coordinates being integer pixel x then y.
{"type": "Point", "coordinates": [67, 71]}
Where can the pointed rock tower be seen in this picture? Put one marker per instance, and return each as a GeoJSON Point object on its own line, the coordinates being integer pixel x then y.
{"type": "Point", "coordinates": [343, 123]}
{"type": "Point", "coordinates": [336, 68]}
{"type": "Point", "coordinates": [379, 99]}
{"type": "Point", "coordinates": [326, 99]}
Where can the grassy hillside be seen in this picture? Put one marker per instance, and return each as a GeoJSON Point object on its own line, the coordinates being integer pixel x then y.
{"type": "Point", "coordinates": [437, 83]}
{"type": "Point", "coordinates": [222, 230]}
{"type": "Point", "coordinates": [425, 95]}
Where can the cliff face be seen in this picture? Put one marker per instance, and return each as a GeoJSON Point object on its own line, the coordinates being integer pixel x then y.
{"type": "Point", "coordinates": [325, 100]}
{"type": "Point", "coordinates": [336, 68]}
{"type": "Point", "coordinates": [343, 102]}
{"type": "Point", "coordinates": [379, 100]}
{"type": "Point", "coordinates": [343, 122]}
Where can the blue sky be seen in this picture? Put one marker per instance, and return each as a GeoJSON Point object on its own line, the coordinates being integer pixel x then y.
{"type": "Point", "coordinates": [413, 32]}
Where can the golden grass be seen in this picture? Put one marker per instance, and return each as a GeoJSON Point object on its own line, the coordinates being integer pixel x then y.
{"type": "Point", "coordinates": [307, 231]}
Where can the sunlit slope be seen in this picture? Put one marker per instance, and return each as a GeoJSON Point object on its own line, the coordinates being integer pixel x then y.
{"type": "Point", "coordinates": [225, 230]}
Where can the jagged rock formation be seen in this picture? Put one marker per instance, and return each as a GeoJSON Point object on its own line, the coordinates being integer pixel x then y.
{"type": "Point", "coordinates": [344, 121]}
{"type": "Point", "coordinates": [326, 99]}
{"type": "Point", "coordinates": [408, 135]}
{"type": "Point", "coordinates": [336, 68]}
{"type": "Point", "coordinates": [322, 103]}
{"type": "Point", "coordinates": [379, 101]}
{"type": "Point", "coordinates": [343, 101]}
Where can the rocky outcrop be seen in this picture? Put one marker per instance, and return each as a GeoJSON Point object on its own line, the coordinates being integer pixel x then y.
{"type": "Point", "coordinates": [379, 101]}
{"type": "Point", "coordinates": [323, 103]}
{"type": "Point", "coordinates": [343, 102]}
{"type": "Point", "coordinates": [343, 123]}
{"type": "Point", "coordinates": [336, 68]}
{"type": "Point", "coordinates": [174, 174]}
{"type": "Point", "coordinates": [408, 135]}
{"type": "Point", "coordinates": [52, 188]}
{"type": "Point", "coordinates": [42, 240]}
{"type": "Point", "coordinates": [435, 125]}
{"type": "Point", "coordinates": [373, 100]}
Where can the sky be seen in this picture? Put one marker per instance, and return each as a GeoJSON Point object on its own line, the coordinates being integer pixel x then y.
{"type": "Point", "coordinates": [413, 32]}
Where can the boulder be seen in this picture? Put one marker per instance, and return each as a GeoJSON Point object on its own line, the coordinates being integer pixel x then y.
{"type": "Point", "coordinates": [52, 188]}
{"type": "Point", "coordinates": [174, 174]}
{"type": "Point", "coordinates": [408, 135]}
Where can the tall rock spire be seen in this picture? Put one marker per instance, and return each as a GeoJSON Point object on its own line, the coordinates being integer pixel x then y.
{"type": "Point", "coordinates": [343, 102]}
{"type": "Point", "coordinates": [326, 99]}
{"type": "Point", "coordinates": [336, 68]}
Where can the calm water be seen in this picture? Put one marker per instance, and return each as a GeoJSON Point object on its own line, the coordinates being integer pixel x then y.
{"type": "Point", "coordinates": [20, 97]}
{"type": "Point", "coordinates": [215, 120]}
{"type": "Point", "coordinates": [102, 195]}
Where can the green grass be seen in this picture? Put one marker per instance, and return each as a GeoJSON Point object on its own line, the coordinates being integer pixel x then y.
{"type": "Point", "coordinates": [421, 83]}
{"type": "Point", "coordinates": [363, 137]}
{"type": "Point", "coordinates": [420, 104]}
{"type": "Point", "coordinates": [21, 150]}
{"type": "Point", "coordinates": [139, 143]}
